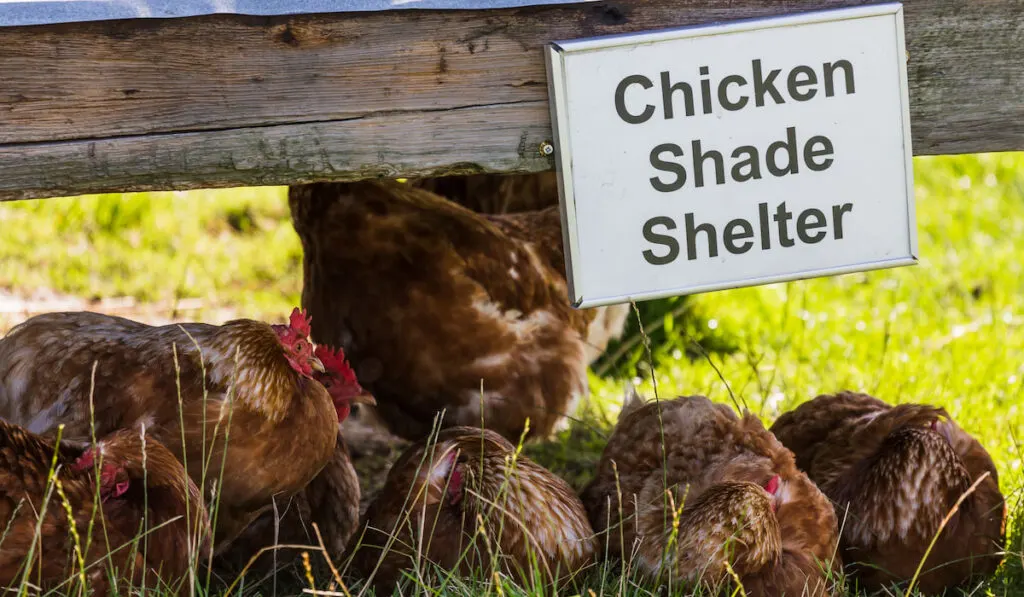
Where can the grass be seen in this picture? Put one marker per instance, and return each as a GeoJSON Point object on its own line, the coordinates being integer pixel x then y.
{"type": "Point", "coordinates": [204, 248]}
{"type": "Point", "coordinates": [948, 331]}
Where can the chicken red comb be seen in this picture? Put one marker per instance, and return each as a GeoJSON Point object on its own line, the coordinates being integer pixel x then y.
{"type": "Point", "coordinates": [109, 485]}
{"type": "Point", "coordinates": [86, 461]}
{"type": "Point", "coordinates": [334, 361]}
{"type": "Point", "coordinates": [300, 322]}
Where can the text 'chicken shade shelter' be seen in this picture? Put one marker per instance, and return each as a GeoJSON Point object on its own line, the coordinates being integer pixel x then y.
{"type": "Point", "coordinates": [733, 155]}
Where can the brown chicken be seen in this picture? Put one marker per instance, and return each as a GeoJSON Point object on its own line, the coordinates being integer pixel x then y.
{"type": "Point", "coordinates": [431, 300]}
{"type": "Point", "coordinates": [894, 473]}
{"type": "Point", "coordinates": [734, 495]}
{"type": "Point", "coordinates": [496, 193]}
{"type": "Point", "coordinates": [279, 424]}
{"type": "Point", "coordinates": [331, 500]}
{"type": "Point", "coordinates": [148, 520]}
{"type": "Point", "coordinates": [439, 495]}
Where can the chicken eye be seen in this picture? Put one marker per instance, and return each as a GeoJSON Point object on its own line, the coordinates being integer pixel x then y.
{"type": "Point", "coordinates": [299, 346]}
{"type": "Point", "coordinates": [327, 383]}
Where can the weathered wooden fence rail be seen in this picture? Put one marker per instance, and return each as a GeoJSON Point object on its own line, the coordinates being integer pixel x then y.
{"type": "Point", "coordinates": [230, 100]}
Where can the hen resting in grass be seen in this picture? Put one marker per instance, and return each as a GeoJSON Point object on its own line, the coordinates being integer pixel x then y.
{"type": "Point", "coordinates": [439, 495]}
{"type": "Point", "coordinates": [331, 500]}
{"type": "Point", "coordinates": [279, 423]}
{"type": "Point", "coordinates": [143, 497]}
{"type": "Point", "coordinates": [734, 492]}
{"type": "Point", "coordinates": [894, 472]}
{"type": "Point", "coordinates": [428, 299]}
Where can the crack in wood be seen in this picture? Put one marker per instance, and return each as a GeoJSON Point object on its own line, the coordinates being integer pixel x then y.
{"type": "Point", "coordinates": [284, 100]}
{"type": "Point", "coordinates": [366, 116]}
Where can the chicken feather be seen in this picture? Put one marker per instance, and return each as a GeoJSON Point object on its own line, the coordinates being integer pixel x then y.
{"type": "Point", "coordinates": [431, 301]}
{"type": "Point", "coordinates": [894, 473]}
{"type": "Point", "coordinates": [440, 493]}
{"type": "Point", "coordinates": [331, 500]}
{"type": "Point", "coordinates": [242, 401]}
{"type": "Point", "coordinates": [144, 495]}
{"type": "Point", "coordinates": [495, 193]}
{"type": "Point", "coordinates": [732, 487]}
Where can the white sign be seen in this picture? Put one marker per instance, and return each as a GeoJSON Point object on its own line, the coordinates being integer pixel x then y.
{"type": "Point", "coordinates": [735, 154]}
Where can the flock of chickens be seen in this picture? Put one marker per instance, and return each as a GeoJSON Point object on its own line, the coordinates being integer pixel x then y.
{"type": "Point", "coordinates": [129, 452]}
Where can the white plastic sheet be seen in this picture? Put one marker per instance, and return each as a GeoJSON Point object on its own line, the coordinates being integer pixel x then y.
{"type": "Point", "coordinates": [41, 12]}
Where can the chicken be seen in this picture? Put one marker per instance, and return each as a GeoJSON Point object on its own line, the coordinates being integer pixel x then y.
{"type": "Point", "coordinates": [440, 308]}
{"type": "Point", "coordinates": [893, 473]}
{"type": "Point", "coordinates": [260, 438]}
{"type": "Point", "coordinates": [440, 494]}
{"type": "Point", "coordinates": [496, 193]}
{"type": "Point", "coordinates": [733, 490]}
{"type": "Point", "coordinates": [331, 500]}
{"type": "Point", "coordinates": [148, 525]}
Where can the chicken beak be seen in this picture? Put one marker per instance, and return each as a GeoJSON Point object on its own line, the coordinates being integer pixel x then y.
{"type": "Point", "coordinates": [364, 398]}
{"type": "Point", "coordinates": [317, 365]}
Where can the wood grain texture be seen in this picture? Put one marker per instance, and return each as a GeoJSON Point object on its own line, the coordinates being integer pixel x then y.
{"type": "Point", "coordinates": [414, 144]}
{"type": "Point", "coordinates": [232, 100]}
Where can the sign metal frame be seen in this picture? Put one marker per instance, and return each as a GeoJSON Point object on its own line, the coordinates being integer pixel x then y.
{"type": "Point", "coordinates": [555, 55]}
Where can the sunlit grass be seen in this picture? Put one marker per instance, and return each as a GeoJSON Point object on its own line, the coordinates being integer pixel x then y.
{"type": "Point", "coordinates": [948, 331]}
{"type": "Point", "coordinates": [233, 247]}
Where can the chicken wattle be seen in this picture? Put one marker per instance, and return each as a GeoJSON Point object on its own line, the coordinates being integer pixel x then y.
{"type": "Point", "coordinates": [148, 520]}
{"type": "Point", "coordinates": [705, 497]}
{"type": "Point", "coordinates": [237, 403]}
{"type": "Point", "coordinates": [330, 501]}
{"type": "Point", "coordinates": [469, 503]}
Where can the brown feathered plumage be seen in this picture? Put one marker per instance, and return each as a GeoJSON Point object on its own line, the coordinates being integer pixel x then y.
{"type": "Point", "coordinates": [279, 423]}
{"type": "Point", "coordinates": [331, 500]}
{"type": "Point", "coordinates": [742, 501]}
{"type": "Point", "coordinates": [150, 523]}
{"type": "Point", "coordinates": [894, 472]}
{"type": "Point", "coordinates": [496, 193]}
{"type": "Point", "coordinates": [428, 298]}
{"type": "Point", "coordinates": [470, 479]}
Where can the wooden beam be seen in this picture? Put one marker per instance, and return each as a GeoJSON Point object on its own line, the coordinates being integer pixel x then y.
{"type": "Point", "coordinates": [412, 144]}
{"type": "Point", "coordinates": [229, 100]}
